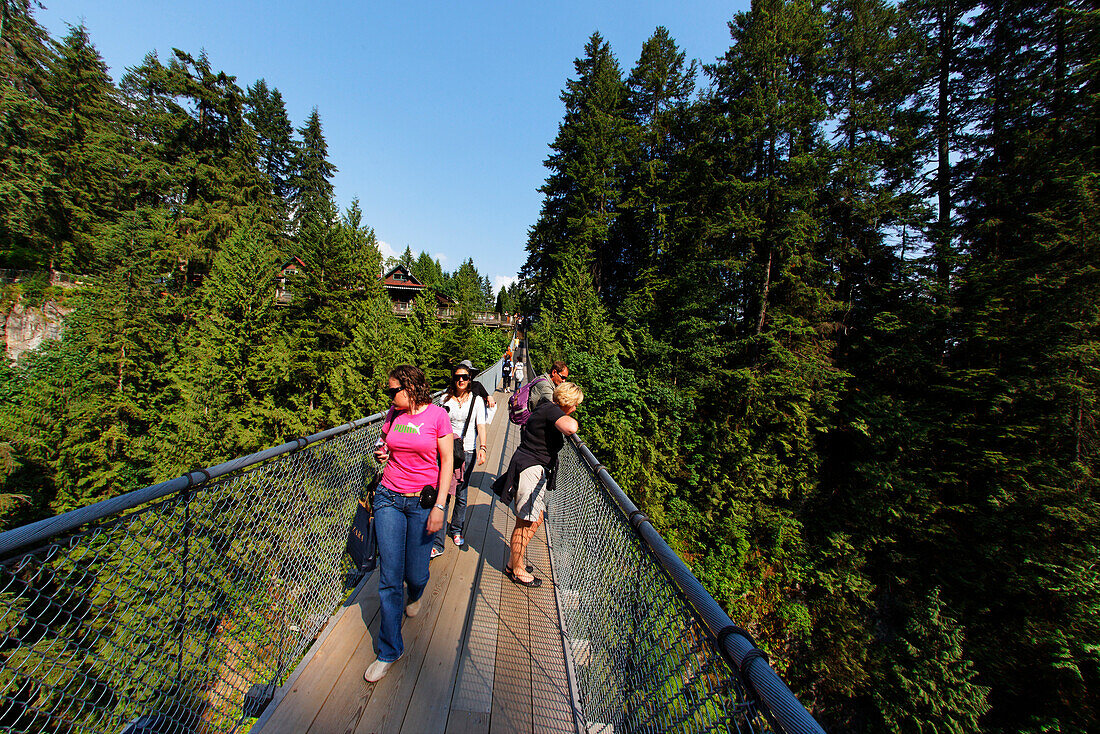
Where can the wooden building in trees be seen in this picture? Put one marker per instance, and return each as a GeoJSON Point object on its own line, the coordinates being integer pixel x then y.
{"type": "Point", "coordinates": [285, 279]}
{"type": "Point", "coordinates": [402, 286]}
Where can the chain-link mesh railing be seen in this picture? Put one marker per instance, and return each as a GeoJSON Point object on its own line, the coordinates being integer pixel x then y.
{"type": "Point", "coordinates": [642, 660]}
{"type": "Point", "coordinates": [179, 608]}
{"type": "Point", "coordinates": [651, 650]}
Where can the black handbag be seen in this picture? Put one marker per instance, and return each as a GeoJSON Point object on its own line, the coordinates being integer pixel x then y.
{"type": "Point", "coordinates": [362, 541]}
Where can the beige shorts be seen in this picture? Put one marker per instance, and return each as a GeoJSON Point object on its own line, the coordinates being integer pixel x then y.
{"type": "Point", "coordinates": [531, 494]}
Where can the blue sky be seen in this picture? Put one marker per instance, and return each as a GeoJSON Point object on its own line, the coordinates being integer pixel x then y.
{"type": "Point", "coordinates": [437, 114]}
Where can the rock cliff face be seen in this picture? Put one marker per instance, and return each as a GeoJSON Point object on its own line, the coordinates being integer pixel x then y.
{"type": "Point", "coordinates": [25, 328]}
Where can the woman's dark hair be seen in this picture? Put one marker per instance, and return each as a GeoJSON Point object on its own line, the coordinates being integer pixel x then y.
{"type": "Point", "coordinates": [413, 382]}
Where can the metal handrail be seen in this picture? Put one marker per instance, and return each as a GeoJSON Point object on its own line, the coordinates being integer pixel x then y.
{"type": "Point", "coordinates": [34, 533]}
{"type": "Point", "coordinates": [735, 644]}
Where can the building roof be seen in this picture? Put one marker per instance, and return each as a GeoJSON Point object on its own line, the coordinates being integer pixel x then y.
{"type": "Point", "coordinates": [401, 277]}
{"type": "Point", "coordinates": [294, 262]}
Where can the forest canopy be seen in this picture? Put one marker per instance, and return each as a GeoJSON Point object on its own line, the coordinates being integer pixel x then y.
{"type": "Point", "coordinates": [833, 299]}
{"type": "Point", "coordinates": [179, 198]}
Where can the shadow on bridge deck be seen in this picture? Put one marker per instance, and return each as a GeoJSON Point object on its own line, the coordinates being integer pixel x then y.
{"type": "Point", "coordinates": [484, 655]}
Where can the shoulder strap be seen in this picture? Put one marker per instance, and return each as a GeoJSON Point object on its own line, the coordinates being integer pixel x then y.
{"type": "Point", "coordinates": [388, 420]}
{"type": "Point", "coordinates": [473, 404]}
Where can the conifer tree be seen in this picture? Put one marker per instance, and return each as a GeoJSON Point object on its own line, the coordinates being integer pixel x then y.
{"type": "Point", "coordinates": [659, 87]}
{"type": "Point", "coordinates": [428, 271]}
{"type": "Point", "coordinates": [274, 135]}
{"type": "Point", "coordinates": [581, 197]}
{"type": "Point", "coordinates": [105, 451]}
{"type": "Point", "coordinates": [87, 151]}
{"type": "Point", "coordinates": [1020, 442]}
{"type": "Point", "coordinates": [310, 185]}
{"type": "Point", "coordinates": [217, 409]}
{"type": "Point", "coordinates": [945, 41]}
{"type": "Point", "coordinates": [25, 122]}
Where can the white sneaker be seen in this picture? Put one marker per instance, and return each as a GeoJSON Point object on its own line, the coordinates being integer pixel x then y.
{"type": "Point", "coordinates": [413, 608]}
{"type": "Point", "coordinates": [376, 671]}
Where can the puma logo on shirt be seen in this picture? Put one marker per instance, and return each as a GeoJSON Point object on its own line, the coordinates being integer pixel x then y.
{"type": "Point", "coordinates": [409, 428]}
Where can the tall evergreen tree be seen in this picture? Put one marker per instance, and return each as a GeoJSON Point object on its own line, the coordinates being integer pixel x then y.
{"type": "Point", "coordinates": [659, 88]}
{"type": "Point", "coordinates": [89, 156]}
{"type": "Point", "coordinates": [25, 123]}
{"type": "Point", "coordinates": [311, 188]}
{"type": "Point", "coordinates": [1026, 510]}
{"type": "Point", "coordinates": [104, 451]}
{"type": "Point", "coordinates": [582, 195]}
{"type": "Point", "coordinates": [274, 133]}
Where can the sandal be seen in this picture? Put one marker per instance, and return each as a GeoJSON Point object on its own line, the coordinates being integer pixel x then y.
{"type": "Point", "coordinates": [534, 583]}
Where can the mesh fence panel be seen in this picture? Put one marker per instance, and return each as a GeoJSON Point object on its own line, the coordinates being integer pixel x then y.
{"type": "Point", "coordinates": [643, 661]}
{"type": "Point", "coordinates": [166, 616]}
{"type": "Point", "coordinates": [163, 618]}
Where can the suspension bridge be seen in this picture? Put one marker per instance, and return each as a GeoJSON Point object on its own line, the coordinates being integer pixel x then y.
{"type": "Point", "coordinates": [223, 601]}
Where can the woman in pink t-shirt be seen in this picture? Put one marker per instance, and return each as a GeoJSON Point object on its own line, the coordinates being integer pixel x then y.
{"type": "Point", "coordinates": [416, 457]}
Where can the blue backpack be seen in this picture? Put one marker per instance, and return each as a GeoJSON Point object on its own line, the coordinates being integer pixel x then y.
{"type": "Point", "coordinates": [518, 412]}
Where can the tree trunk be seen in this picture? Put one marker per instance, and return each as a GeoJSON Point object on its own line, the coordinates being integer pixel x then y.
{"type": "Point", "coordinates": [764, 291]}
{"type": "Point", "coordinates": [943, 237]}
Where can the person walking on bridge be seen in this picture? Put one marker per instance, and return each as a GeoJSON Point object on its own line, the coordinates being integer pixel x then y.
{"type": "Point", "coordinates": [415, 452]}
{"type": "Point", "coordinates": [531, 473]}
{"type": "Point", "coordinates": [518, 372]}
{"type": "Point", "coordinates": [506, 371]}
{"type": "Point", "coordinates": [469, 414]}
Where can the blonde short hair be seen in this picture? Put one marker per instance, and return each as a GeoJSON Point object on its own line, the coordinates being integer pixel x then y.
{"type": "Point", "coordinates": [568, 395]}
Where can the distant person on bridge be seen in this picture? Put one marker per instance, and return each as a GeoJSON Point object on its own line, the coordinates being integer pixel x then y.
{"type": "Point", "coordinates": [415, 452]}
{"type": "Point", "coordinates": [531, 473]}
{"type": "Point", "coordinates": [519, 374]}
{"type": "Point", "coordinates": [469, 413]}
{"type": "Point", "coordinates": [542, 390]}
{"type": "Point", "coordinates": [506, 371]}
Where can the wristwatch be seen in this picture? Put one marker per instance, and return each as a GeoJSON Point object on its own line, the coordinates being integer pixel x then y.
{"type": "Point", "coordinates": [441, 507]}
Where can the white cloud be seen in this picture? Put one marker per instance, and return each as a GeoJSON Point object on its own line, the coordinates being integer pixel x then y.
{"type": "Point", "coordinates": [440, 257]}
{"type": "Point", "coordinates": [386, 249]}
{"type": "Point", "coordinates": [502, 281]}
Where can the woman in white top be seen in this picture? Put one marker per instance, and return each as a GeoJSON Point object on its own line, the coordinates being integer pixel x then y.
{"type": "Point", "coordinates": [458, 401]}
{"type": "Point", "coordinates": [518, 372]}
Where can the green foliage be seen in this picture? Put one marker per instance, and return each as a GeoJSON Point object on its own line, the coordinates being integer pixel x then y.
{"type": "Point", "coordinates": [855, 281]}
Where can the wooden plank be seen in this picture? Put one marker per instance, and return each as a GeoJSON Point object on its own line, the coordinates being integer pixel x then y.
{"type": "Point", "coordinates": [430, 701]}
{"type": "Point", "coordinates": [311, 689]}
{"type": "Point", "coordinates": [467, 722]}
{"type": "Point", "coordinates": [389, 705]}
{"type": "Point", "coordinates": [390, 702]}
{"type": "Point", "coordinates": [511, 709]}
{"type": "Point", "coordinates": [472, 700]}
{"type": "Point", "coordinates": [351, 606]}
{"type": "Point", "coordinates": [550, 696]}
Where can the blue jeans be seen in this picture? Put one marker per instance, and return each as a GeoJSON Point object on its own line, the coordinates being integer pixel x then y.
{"type": "Point", "coordinates": [403, 548]}
{"type": "Point", "coordinates": [458, 517]}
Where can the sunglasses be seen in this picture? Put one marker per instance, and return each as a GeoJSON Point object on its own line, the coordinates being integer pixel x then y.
{"type": "Point", "coordinates": [463, 377]}
{"type": "Point", "coordinates": [391, 392]}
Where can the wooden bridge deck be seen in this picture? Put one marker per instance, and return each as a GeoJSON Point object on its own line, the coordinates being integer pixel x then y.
{"type": "Point", "coordinates": [484, 655]}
